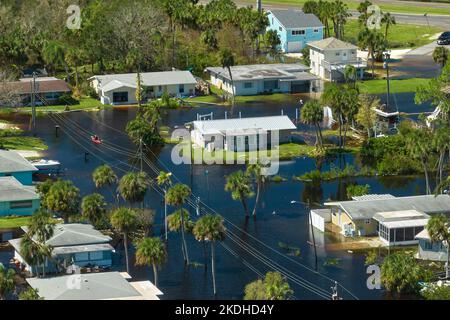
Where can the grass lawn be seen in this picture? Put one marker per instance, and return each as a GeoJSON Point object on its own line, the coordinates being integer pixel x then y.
{"type": "Point", "coordinates": [13, 222]}
{"type": "Point", "coordinates": [353, 4]}
{"type": "Point", "coordinates": [23, 143]}
{"type": "Point", "coordinates": [378, 86]}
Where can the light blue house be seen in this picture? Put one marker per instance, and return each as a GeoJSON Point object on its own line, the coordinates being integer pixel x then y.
{"type": "Point", "coordinates": [295, 28]}
{"type": "Point", "coordinates": [17, 199]}
{"type": "Point", "coordinates": [13, 164]}
{"type": "Point", "coordinates": [429, 250]}
{"type": "Point", "coordinates": [73, 246]}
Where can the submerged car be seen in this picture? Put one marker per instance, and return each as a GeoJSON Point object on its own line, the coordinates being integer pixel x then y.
{"type": "Point", "coordinates": [444, 38]}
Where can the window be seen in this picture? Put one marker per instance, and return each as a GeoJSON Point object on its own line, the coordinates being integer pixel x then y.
{"type": "Point", "coordinates": [270, 84]}
{"type": "Point", "coordinates": [97, 255]}
{"type": "Point", "coordinates": [353, 51]}
{"type": "Point", "coordinates": [181, 88]}
{"type": "Point", "coordinates": [298, 32]}
{"type": "Point", "coordinates": [399, 234]}
{"type": "Point", "coordinates": [409, 234]}
{"type": "Point", "coordinates": [248, 85]}
{"type": "Point", "coordinates": [272, 20]}
{"type": "Point", "coordinates": [21, 204]}
{"type": "Point", "coordinates": [84, 256]}
{"type": "Point", "coordinates": [280, 28]}
{"type": "Point", "coordinates": [316, 30]}
{"type": "Point", "coordinates": [120, 96]}
{"type": "Point", "coordinates": [159, 88]}
{"type": "Point", "coordinates": [338, 54]}
{"type": "Point", "coordinates": [367, 221]}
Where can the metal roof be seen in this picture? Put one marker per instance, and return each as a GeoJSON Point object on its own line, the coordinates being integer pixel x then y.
{"type": "Point", "coordinates": [399, 215]}
{"type": "Point", "coordinates": [292, 19]}
{"type": "Point", "coordinates": [373, 197]}
{"type": "Point", "coordinates": [162, 78]}
{"type": "Point", "coordinates": [406, 223]}
{"type": "Point", "coordinates": [12, 190]}
{"type": "Point", "coordinates": [366, 209]}
{"type": "Point", "coordinates": [331, 43]}
{"type": "Point", "coordinates": [257, 123]}
{"type": "Point", "coordinates": [423, 235]}
{"type": "Point", "coordinates": [83, 248]}
{"type": "Point", "coordinates": [273, 71]}
{"type": "Point", "coordinates": [11, 161]}
{"type": "Point", "coordinates": [89, 286]}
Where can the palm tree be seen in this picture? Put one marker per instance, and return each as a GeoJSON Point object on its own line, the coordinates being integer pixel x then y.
{"type": "Point", "coordinates": [350, 75]}
{"type": "Point", "coordinates": [151, 252]}
{"type": "Point", "coordinates": [374, 42]}
{"type": "Point", "coordinates": [176, 196]}
{"type": "Point", "coordinates": [366, 116]}
{"type": "Point", "coordinates": [238, 183]}
{"type": "Point", "coordinates": [444, 185]}
{"type": "Point", "coordinates": [440, 55]}
{"type": "Point", "coordinates": [35, 253]}
{"type": "Point", "coordinates": [441, 143]}
{"type": "Point", "coordinates": [163, 180]}
{"type": "Point", "coordinates": [335, 99]}
{"type": "Point", "coordinates": [388, 20]}
{"type": "Point", "coordinates": [257, 171]}
{"type": "Point", "coordinates": [227, 61]}
{"type": "Point", "coordinates": [124, 221]}
{"type": "Point", "coordinates": [210, 228]}
{"type": "Point", "coordinates": [438, 228]}
{"type": "Point", "coordinates": [93, 208]}
{"type": "Point", "coordinates": [139, 89]}
{"type": "Point", "coordinates": [349, 109]}
{"type": "Point", "coordinates": [312, 114]}
{"type": "Point", "coordinates": [363, 14]}
{"type": "Point", "coordinates": [133, 186]}
{"type": "Point", "coordinates": [41, 225]}
{"type": "Point", "coordinates": [6, 281]}
{"type": "Point", "coordinates": [273, 287]}
{"type": "Point", "coordinates": [64, 198]}
{"type": "Point", "coordinates": [104, 176]}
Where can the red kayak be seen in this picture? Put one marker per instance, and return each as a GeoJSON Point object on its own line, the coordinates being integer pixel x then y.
{"type": "Point", "coordinates": [96, 140]}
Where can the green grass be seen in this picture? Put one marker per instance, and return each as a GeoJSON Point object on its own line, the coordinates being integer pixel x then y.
{"type": "Point", "coordinates": [13, 222]}
{"type": "Point", "coordinates": [378, 86]}
{"type": "Point", "coordinates": [353, 4]}
{"type": "Point", "coordinates": [23, 143]}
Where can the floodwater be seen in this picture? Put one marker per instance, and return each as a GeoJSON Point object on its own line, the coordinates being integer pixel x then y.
{"type": "Point", "coordinates": [278, 221]}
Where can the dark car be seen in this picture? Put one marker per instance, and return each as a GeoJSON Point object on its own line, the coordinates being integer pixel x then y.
{"type": "Point", "coordinates": [444, 38]}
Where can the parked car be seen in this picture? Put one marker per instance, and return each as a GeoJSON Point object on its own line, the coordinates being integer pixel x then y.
{"type": "Point", "coordinates": [444, 38]}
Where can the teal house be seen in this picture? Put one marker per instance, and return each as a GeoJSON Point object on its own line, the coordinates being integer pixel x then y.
{"type": "Point", "coordinates": [17, 199]}
{"type": "Point", "coordinates": [295, 28]}
{"type": "Point", "coordinates": [13, 164]}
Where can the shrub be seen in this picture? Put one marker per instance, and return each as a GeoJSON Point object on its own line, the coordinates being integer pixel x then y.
{"type": "Point", "coordinates": [67, 99]}
{"type": "Point", "coordinates": [398, 164]}
{"type": "Point", "coordinates": [355, 190]}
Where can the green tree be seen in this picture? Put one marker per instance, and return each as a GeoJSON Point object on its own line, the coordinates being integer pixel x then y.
{"type": "Point", "coordinates": [133, 186]}
{"type": "Point", "coordinates": [41, 225]}
{"type": "Point", "coordinates": [366, 116]}
{"type": "Point", "coordinates": [335, 98]}
{"type": "Point", "coordinates": [124, 221]}
{"type": "Point", "coordinates": [227, 61]}
{"type": "Point", "coordinates": [35, 253]}
{"type": "Point", "coordinates": [355, 190]}
{"type": "Point", "coordinates": [238, 183]}
{"type": "Point", "coordinates": [63, 198]}
{"type": "Point", "coordinates": [312, 114]}
{"type": "Point", "coordinates": [6, 281]}
{"type": "Point", "coordinates": [163, 180]}
{"type": "Point", "coordinates": [434, 292]}
{"type": "Point", "coordinates": [273, 287]}
{"type": "Point", "coordinates": [93, 208]}
{"type": "Point", "coordinates": [104, 176]}
{"type": "Point", "coordinates": [151, 252]}
{"type": "Point", "coordinates": [401, 273]}
{"type": "Point", "coordinates": [388, 20]}
{"type": "Point", "coordinates": [440, 55]}
{"type": "Point", "coordinates": [438, 228]}
{"type": "Point", "coordinates": [42, 189]}
{"type": "Point", "coordinates": [363, 14]}
{"type": "Point", "coordinates": [374, 42]}
{"type": "Point", "coordinates": [350, 75]}
{"type": "Point", "coordinates": [30, 294]}
{"type": "Point", "coordinates": [210, 228]}
{"type": "Point", "coordinates": [273, 42]}
{"type": "Point", "coordinates": [142, 129]}
{"type": "Point", "coordinates": [258, 172]}
{"type": "Point", "coordinates": [177, 196]}
{"type": "Point", "coordinates": [139, 89]}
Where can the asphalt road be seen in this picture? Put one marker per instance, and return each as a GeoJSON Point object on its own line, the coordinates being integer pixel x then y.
{"type": "Point", "coordinates": [442, 21]}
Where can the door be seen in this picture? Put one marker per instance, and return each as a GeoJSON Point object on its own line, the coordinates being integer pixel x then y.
{"type": "Point", "coordinates": [294, 46]}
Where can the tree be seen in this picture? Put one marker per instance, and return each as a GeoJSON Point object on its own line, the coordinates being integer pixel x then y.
{"type": "Point", "coordinates": [374, 42]}
{"type": "Point", "coordinates": [339, 15]}
{"type": "Point", "coordinates": [104, 176]}
{"type": "Point", "coordinates": [53, 54]}
{"type": "Point", "coordinates": [30, 294]}
{"type": "Point", "coordinates": [441, 143]}
{"type": "Point", "coordinates": [272, 287]}
{"type": "Point", "coordinates": [124, 221]}
{"type": "Point", "coordinates": [63, 198]}
{"type": "Point", "coordinates": [93, 208]}
{"type": "Point", "coordinates": [440, 55]}
{"type": "Point", "coordinates": [355, 190]}
{"type": "Point", "coordinates": [163, 180]}
{"type": "Point", "coordinates": [6, 281]}
{"type": "Point", "coordinates": [387, 19]}
{"type": "Point", "coordinates": [273, 41]}
{"type": "Point", "coordinates": [363, 12]}
{"type": "Point", "coordinates": [238, 183]}
{"type": "Point", "coordinates": [210, 228]}
{"type": "Point", "coordinates": [438, 228]}
{"type": "Point", "coordinates": [401, 273]}
{"type": "Point", "coordinates": [41, 225]}
{"type": "Point", "coordinates": [350, 75]}
{"type": "Point", "coordinates": [258, 172]}
{"type": "Point", "coordinates": [133, 186]}
{"type": "Point", "coordinates": [366, 116]}
{"type": "Point", "coordinates": [35, 253]}
{"type": "Point", "coordinates": [177, 196]}
{"type": "Point", "coordinates": [227, 61]}
{"type": "Point", "coordinates": [142, 129]}
{"type": "Point", "coordinates": [310, 6]}
{"type": "Point", "coordinates": [334, 98]}
{"type": "Point", "coordinates": [435, 292]}
{"type": "Point", "coordinates": [312, 114]}
{"type": "Point", "coordinates": [151, 252]}
{"type": "Point", "coordinates": [139, 89]}
{"type": "Point", "coordinates": [42, 189]}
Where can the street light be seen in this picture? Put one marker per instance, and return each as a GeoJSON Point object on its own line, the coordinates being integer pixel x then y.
{"type": "Point", "coordinates": [387, 56]}
{"type": "Point", "coordinates": [311, 228]}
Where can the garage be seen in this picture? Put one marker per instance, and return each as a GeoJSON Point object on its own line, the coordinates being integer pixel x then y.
{"type": "Point", "coordinates": [294, 46]}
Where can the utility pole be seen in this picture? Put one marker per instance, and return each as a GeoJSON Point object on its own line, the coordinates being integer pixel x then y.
{"type": "Point", "coordinates": [141, 153]}
{"type": "Point", "coordinates": [387, 56]}
{"type": "Point", "coordinates": [313, 237]}
{"type": "Point", "coordinates": [165, 212]}
{"type": "Point", "coordinates": [259, 9]}
{"type": "Point", "coordinates": [335, 295]}
{"type": "Point", "coordinates": [33, 104]}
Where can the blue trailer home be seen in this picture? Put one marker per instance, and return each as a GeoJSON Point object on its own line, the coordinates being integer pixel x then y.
{"type": "Point", "coordinates": [17, 199]}
{"type": "Point", "coordinates": [295, 28]}
{"type": "Point", "coordinates": [13, 164]}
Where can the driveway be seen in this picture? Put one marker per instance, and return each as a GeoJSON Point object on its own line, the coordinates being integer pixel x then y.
{"type": "Point", "coordinates": [425, 50]}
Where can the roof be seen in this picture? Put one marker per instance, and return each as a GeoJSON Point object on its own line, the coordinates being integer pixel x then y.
{"type": "Point", "coordinates": [11, 161]}
{"type": "Point", "coordinates": [83, 248]}
{"type": "Point", "coordinates": [406, 223]}
{"type": "Point", "coordinates": [399, 215]}
{"type": "Point", "coordinates": [75, 234]}
{"type": "Point", "coordinates": [366, 209]}
{"type": "Point", "coordinates": [12, 190]}
{"type": "Point", "coordinates": [113, 81]}
{"type": "Point", "coordinates": [92, 286]}
{"type": "Point", "coordinates": [331, 44]}
{"type": "Point", "coordinates": [239, 124]}
{"type": "Point", "coordinates": [423, 235]}
{"type": "Point", "coordinates": [287, 71]}
{"type": "Point", "coordinates": [373, 197]}
{"type": "Point", "coordinates": [42, 86]}
{"type": "Point", "coordinates": [292, 19]}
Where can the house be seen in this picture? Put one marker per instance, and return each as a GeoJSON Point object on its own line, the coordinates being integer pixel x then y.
{"type": "Point", "coordinates": [295, 28]}
{"type": "Point", "coordinates": [243, 134]}
{"type": "Point", "coordinates": [120, 89]}
{"type": "Point", "coordinates": [329, 57]}
{"type": "Point", "coordinates": [48, 90]}
{"type": "Point", "coordinates": [74, 245]}
{"type": "Point", "coordinates": [94, 286]}
{"type": "Point", "coordinates": [17, 199]}
{"type": "Point", "coordinates": [429, 250]}
{"type": "Point", "coordinates": [396, 220]}
{"type": "Point", "coordinates": [263, 78]}
{"type": "Point", "coordinates": [13, 164]}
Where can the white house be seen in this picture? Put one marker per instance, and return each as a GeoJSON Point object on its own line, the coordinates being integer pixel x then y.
{"type": "Point", "coordinates": [120, 89]}
{"type": "Point", "coordinates": [328, 58]}
{"type": "Point", "coordinates": [263, 78]}
{"type": "Point", "coordinates": [243, 134]}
